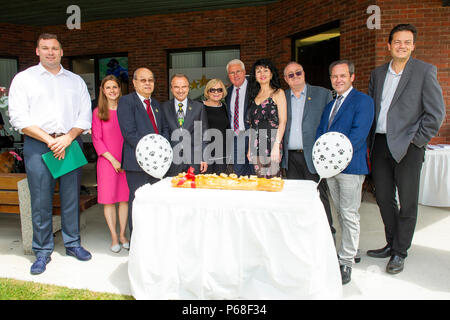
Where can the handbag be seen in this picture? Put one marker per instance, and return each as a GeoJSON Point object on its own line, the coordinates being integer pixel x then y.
{"type": "Point", "coordinates": [6, 141]}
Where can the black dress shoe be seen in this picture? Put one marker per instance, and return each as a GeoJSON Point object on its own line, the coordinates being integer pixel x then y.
{"type": "Point", "coordinates": [358, 256]}
{"type": "Point", "coordinates": [395, 264]}
{"type": "Point", "coordinates": [346, 274]}
{"type": "Point", "coordinates": [380, 253]}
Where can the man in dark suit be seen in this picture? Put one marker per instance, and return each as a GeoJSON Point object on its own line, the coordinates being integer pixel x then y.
{"type": "Point", "coordinates": [305, 104]}
{"type": "Point", "coordinates": [351, 113]}
{"type": "Point", "coordinates": [187, 121]}
{"type": "Point", "coordinates": [237, 107]}
{"type": "Point", "coordinates": [139, 115]}
{"type": "Point", "coordinates": [409, 110]}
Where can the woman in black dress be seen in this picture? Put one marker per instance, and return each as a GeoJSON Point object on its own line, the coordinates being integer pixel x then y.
{"type": "Point", "coordinates": [267, 117]}
{"type": "Point", "coordinates": [215, 92]}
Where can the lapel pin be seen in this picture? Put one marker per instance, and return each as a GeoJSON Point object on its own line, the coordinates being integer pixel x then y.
{"type": "Point", "coordinates": [156, 110]}
{"type": "Point", "coordinates": [309, 98]}
{"type": "Point", "coordinates": [190, 108]}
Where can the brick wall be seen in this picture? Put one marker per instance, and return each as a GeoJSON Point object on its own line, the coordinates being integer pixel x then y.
{"type": "Point", "coordinates": [261, 31]}
{"type": "Point", "coordinates": [147, 39]}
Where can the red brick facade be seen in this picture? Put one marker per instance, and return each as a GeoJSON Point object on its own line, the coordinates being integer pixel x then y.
{"type": "Point", "coordinates": [262, 31]}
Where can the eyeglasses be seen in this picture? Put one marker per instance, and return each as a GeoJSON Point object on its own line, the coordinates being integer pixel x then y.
{"type": "Point", "coordinates": [213, 90]}
{"type": "Point", "coordinates": [143, 81]}
{"type": "Point", "coordinates": [296, 73]}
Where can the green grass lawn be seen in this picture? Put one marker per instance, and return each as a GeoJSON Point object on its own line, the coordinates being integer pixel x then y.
{"type": "Point", "coordinates": [11, 289]}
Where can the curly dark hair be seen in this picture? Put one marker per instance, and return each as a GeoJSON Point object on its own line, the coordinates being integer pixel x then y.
{"type": "Point", "coordinates": [254, 86]}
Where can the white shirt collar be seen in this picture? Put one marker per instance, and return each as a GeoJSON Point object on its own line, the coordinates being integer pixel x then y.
{"type": "Point", "coordinates": [243, 85]}
{"type": "Point", "coordinates": [184, 102]}
{"type": "Point", "coordinates": [143, 98]}
{"type": "Point", "coordinates": [345, 94]}
{"type": "Point", "coordinates": [43, 70]}
{"type": "Point", "coordinates": [392, 70]}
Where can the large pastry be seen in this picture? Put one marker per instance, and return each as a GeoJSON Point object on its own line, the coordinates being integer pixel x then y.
{"type": "Point", "coordinates": [228, 182]}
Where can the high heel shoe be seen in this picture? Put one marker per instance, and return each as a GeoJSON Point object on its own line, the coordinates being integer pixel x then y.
{"type": "Point", "coordinates": [116, 248]}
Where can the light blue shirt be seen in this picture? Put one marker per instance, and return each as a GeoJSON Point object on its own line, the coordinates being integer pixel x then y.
{"type": "Point", "coordinates": [297, 107]}
{"type": "Point", "coordinates": [389, 88]}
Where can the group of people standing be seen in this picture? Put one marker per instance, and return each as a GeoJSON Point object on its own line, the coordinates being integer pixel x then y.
{"type": "Point", "coordinates": [265, 130]}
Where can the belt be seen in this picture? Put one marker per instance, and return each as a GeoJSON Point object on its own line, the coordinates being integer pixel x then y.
{"type": "Point", "coordinates": [56, 135]}
{"type": "Point", "coordinates": [298, 150]}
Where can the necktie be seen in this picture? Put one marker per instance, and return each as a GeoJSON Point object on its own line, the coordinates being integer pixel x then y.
{"type": "Point", "coordinates": [236, 112]}
{"type": "Point", "coordinates": [335, 110]}
{"type": "Point", "coordinates": [180, 114]}
{"type": "Point", "coordinates": [150, 115]}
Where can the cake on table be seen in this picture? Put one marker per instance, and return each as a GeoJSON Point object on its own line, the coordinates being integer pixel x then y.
{"type": "Point", "coordinates": [226, 182]}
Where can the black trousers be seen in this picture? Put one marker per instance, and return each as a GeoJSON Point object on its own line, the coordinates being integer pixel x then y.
{"type": "Point", "coordinates": [135, 180]}
{"type": "Point", "coordinates": [388, 175]}
{"type": "Point", "coordinates": [298, 169]}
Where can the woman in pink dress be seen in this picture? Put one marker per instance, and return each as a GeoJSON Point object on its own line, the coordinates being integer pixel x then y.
{"type": "Point", "coordinates": [107, 138]}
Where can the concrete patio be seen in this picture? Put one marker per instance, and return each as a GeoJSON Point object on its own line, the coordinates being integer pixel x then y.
{"type": "Point", "coordinates": [426, 274]}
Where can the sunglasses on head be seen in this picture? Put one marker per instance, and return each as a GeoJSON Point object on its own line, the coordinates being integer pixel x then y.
{"type": "Point", "coordinates": [213, 90]}
{"type": "Point", "coordinates": [297, 73]}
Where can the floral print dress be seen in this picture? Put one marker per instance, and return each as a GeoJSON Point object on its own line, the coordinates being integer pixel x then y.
{"type": "Point", "coordinates": [263, 119]}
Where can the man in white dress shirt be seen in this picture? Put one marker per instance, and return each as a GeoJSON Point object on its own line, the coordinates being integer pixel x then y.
{"type": "Point", "coordinates": [51, 107]}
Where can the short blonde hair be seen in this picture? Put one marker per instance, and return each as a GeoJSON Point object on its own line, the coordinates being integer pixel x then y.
{"type": "Point", "coordinates": [211, 83]}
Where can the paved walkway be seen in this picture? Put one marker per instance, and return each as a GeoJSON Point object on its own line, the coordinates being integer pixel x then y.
{"type": "Point", "coordinates": [426, 274]}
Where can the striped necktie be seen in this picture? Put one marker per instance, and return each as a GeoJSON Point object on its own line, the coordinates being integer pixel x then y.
{"type": "Point", "coordinates": [236, 112]}
{"type": "Point", "coordinates": [335, 110]}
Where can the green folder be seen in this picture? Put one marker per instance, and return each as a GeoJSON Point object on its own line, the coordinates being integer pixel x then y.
{"type": "Point", "coordinates": [74, 158]}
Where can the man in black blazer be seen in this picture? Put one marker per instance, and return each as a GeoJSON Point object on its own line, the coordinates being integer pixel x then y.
{"type": "Point", "coordinates": [139, 115]}
{"type": "Point", "coordinates": [409, 109]}
{"type": "Point", "coordinates": [237, 107]}
{"type": "Point", "coordinates": [187, 122]}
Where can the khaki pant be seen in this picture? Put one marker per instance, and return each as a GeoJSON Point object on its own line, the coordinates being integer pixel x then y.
{"type": "Point", "coordinates": [345, 190]}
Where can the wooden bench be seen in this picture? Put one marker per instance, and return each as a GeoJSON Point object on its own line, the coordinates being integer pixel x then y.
{"type": "Point", "coordinates": [15, 198]}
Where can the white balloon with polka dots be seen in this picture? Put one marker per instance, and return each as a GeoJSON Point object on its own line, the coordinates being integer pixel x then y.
{"type": "Point", "coordinates": [154, 155]}
{"type": "Point", "coordinates": [331, 154]}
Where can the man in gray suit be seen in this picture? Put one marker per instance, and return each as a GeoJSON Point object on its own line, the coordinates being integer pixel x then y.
{"type": "Point", "coordinates": [187, 121]}
{"type": "Point", "coordinates": [305, 104]}
{"type": "Point", "coordinates": [409, 109]}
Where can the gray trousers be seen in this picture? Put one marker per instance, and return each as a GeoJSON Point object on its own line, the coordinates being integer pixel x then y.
{"type": "Point", "coordinates": [42, 187]}
{"type": "Point", "coordinates": [345, 190]}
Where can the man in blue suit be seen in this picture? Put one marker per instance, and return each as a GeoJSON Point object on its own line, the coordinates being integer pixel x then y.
{"type": "Point", "coordinates": [139, 115]}
{"type": "Point", "coordinates": [305, 104]}
{"type": "Point", "coordinates": [237, 107]}
{"type": "Point", "coordinates": [351, 113]}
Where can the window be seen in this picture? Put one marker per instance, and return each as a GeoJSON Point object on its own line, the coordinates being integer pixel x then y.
{"type": "Point", "coordinates": [94, 68]}
{"type": "Point", "coordinates": [8, 69]}
{"type": "Point", "coordinates": [201, 65]}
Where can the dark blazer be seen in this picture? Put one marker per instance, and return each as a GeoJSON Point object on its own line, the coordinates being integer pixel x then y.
{"type": "Point", "coordinates": [354, 119]}
{"type": "Point", "coordinates": [229, 102]}
{"type": "Point", "coordinates": [134, 124]}
{"type": "Point", "coordinates": [194, 112]}
{"type": "Point", "coordinates": [316, 100]}
{"type": "Point", "coordinates": [417, 108]}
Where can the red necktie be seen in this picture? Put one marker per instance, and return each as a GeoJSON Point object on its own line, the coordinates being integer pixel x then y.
{"type": "Point", "coordinates": [236, 112]}
{"type": "Point", "coordinates": [150, 115]}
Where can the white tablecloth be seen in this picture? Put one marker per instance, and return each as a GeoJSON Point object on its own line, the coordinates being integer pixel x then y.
{"type": "Point", "coordinates": [435, 179]}
{"type": "Point", "coordinates": [226, 244]}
